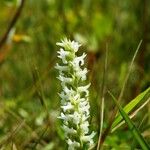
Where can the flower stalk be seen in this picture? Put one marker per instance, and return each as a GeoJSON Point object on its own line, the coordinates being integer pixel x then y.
{"type": "Point", "coordinates": [74, 96]}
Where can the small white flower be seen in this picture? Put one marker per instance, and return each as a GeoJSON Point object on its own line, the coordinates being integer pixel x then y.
{"type": "Point", "coordinates": [89, 138]}
{"type": "Point", "coordinates": [85, 109]}
{"type": "Point", "coordinates": [72, 144]}
{"type": "Point", "coordinates": [61, 68]}
{"type": "Point", "coordinates": [82, 74]}
{"type": "Point", "coordinates": [63, 54]}
{"type": "Point", "coordinates": [63, 95]}
{"type": "Point", "coordinates": [69, 130]}
{"type": "Point", "coordinates": [84, 117]}
{"type": "Point", "coordinates": [63, 117]}
{"type": "Point", "coordinates": [85, 127]}
{"type": "Point", "coordinates": [79, 60]}
{"type": "Point", "coordinates": [64, 80]}
{"type": "Point", "coordinates": [68, 106]}
{"type": "Point", "coordinates": [84, 89]}
{"type": "Point", "coordinates": [76, 118]}
{"type": "Point", "coordinates": [67, 90]}
{"type": "Point", "coordinates": [75, 46]}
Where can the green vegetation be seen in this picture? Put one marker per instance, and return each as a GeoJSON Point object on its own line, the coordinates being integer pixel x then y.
{"type": "Point", "coordinates": [115, 35]}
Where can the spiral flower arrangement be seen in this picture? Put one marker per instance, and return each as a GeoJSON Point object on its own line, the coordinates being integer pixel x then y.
{"type": "Point", "coordinates": [74, 96]}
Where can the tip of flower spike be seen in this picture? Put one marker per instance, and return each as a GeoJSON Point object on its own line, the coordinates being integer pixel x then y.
{"type": "Point", "coordinates": [69, 45]}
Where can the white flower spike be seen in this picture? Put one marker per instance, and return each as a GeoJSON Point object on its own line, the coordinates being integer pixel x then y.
{"type": "Point", "coordinates": [74, 96]}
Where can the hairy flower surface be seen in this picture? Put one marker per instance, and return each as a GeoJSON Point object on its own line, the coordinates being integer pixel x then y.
{"type": "Point", "coordinates": [74, 96]}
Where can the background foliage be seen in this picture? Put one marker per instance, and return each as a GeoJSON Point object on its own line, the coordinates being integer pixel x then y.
{"type": "Point", "coordinates": [29, 103]}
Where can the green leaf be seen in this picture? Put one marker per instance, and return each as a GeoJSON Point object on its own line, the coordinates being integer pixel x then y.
{"type": "Point", "coordinates": [137, 135]}
{"type": "Point", "coordinates": [140, 99]}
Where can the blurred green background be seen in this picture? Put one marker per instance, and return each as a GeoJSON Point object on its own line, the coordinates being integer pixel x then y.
{"type": "Point", "coordinates": [29, 103]}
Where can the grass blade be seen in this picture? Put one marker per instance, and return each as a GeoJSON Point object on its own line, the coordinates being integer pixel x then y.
{"type": "Point", "coordinates": [137, 135]}
{"type": "Point", "coordinates": [139, 100]}
{"type": "Point", "coordinates": [103, 99]}
{"type": "Point", "coordinates": [132, 115]}
{"type": "Point", "coordinates": [128, 74]}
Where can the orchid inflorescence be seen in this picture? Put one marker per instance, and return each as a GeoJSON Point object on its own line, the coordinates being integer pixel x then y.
{"type": "Point", "coordinates": [74, 96]}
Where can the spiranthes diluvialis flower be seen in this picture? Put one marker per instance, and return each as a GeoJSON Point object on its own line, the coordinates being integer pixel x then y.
{"type": "Point", "coordinates": [74, 96]}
